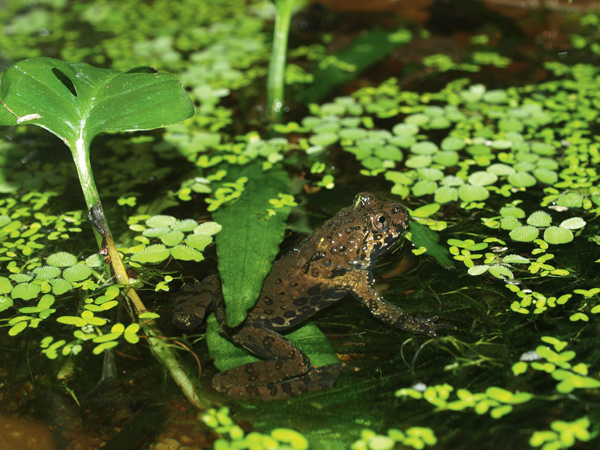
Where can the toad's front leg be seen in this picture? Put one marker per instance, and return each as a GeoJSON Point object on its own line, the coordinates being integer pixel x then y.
{"type": "Point", "coordinates": [392, 314]}
{"type": "Point", "coordinates": [285, 372]}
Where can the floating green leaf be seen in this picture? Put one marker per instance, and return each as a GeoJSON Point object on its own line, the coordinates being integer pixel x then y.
{"type": "Point", "coordinates": [46, 272]}
{"type": "Point", "coordinates": [185, 253]}
{"type": "Point", "coordinates": [521, 179]}
{"type": "Point", "coordinates": [5, 285]}
{"type": "Point", "coordinates": [524, 234]}
{"type": "Point", "coordinates": [160, 221]}
{"type": "Point", "coordinates": [539, 219]}
{"type": "Point", "coordinates": [574, 223]}
{"type": "Point", "coordinates": [78, 272]}
{"type": "Point", "coordinates": [25, 291]}
{"type": "Point", "coordinates": [172, 238]}
{"type": "Point", "coordinates": [5, 303]}
{"type": "Point", "coordinates": [152, 254]}
{"type": "Point", "coordinates": [558, 235]}
{"type": "Point", "coordinates": [61, 259]}
{"type": "Point", "coordinates": [470, 193]}
{"type": "Point", "coordinates": [209, 228]}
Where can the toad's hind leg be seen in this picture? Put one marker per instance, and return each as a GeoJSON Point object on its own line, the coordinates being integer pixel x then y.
{"type": "Point", "coordinates": [285, 372]}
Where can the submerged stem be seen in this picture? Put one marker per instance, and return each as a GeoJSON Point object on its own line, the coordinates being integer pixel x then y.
{"type": "Point", "coordinates": [161, 350]}
{"type": "Point", "coordinates": [276, 76]}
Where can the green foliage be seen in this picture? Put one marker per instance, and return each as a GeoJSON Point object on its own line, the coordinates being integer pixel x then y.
{"type": "Point", "coordinates": [563, 434]}
{"type": "Point", "coordinates": [253, 226]}
{"type": "Point", "coordinates": [232, 436]}
{"type": "Point", "coordinates": [181, 239]}
{"type": "Point", "coordinates": [415, 437]}
{"type": "Point", "coordinates": [76, 101]}
{"type": "Point", "coordinates": [497, 401]}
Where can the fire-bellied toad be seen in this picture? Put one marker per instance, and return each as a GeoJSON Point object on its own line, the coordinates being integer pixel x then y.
{"type": "Point", "coordinates": [336, 260]}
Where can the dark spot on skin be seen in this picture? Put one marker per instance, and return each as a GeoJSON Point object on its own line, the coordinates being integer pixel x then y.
{"type": "Point", "coordinates": [281, 293]}
{"type": "Point", "coordinates": [305, 268]}
{"type": "Point", "coordinates": [277, 321]}
{"type": "Point", "coordinates": [268, 312]}
{"type": "Point", "coordinates": [317, 255]}
{"type": "Point", "coordinates": [300, 301]}
{"type": "Point", "coordinates": [342, 249]}
{"type": "Point", "coordinates": [338, 273]}
{"type": "Point", "coordinates": [249, 369]}
{"type": "Point", "coordinates": [315, 290]}
{"type": "Point", "coordinates": [315, 301]}
{"type": "Point", "coordinates": [272, 389]}
{"type": "Point", "coordinates": [294, 284]}
{"type": "Point", "coordinates": [268, 301]}
{"type": "Point", "coordinates": [315, 273]}
{"type": "Point", "coordinates": [278, 281]}
{"type": "Point", "coordinates": [289, 314]}
{"type": "Point", "coordinates": [287, 388]}
{"type": "Point", "coordinates": [252, 391]}
{"type": "Point", "coordinates": [278, 365]}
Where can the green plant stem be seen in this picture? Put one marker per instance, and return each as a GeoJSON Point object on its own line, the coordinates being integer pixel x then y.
{"type": "Point", "coordinates": [276, 77]}
{"type": "Point", "coordinates": [162, 351]}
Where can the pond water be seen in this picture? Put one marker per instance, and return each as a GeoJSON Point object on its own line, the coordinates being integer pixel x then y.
{"type": "Point", "coordinates": [474, 115]}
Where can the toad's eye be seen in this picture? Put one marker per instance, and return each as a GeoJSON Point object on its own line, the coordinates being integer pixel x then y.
{"type": "Point", "coordinates": [380, 222]}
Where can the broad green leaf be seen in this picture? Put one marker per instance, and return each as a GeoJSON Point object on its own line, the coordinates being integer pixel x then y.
{"type": "Point", "coordinates": [422, 236]}
{"type": "Point", "coordinates": [515, 259]}
{"type": "Point", "coordinates": [574, 223]}
{"type": "Point", "coordinates": [185, 253]}
{"type": "Point", "coordinates": [186, 225]}
{"type": "Point", "coordinates": [76, 101]}
{"type": "Point", "coordinates": [445, 194]}
{"type": "Point", "coordinates": [156, 232]}
{"type": "Point", "coordinates": [172, 238]}
{"type": "Point", "coordinates": [78, 272]}
{"type": "Point", "coordinates": [210, 228]}
{"type": "Point", "coordinates": [512, 211]}
{"type": "Point", "coordinates": [5, 285]}
{"type": "Point", "coordinates": [521, 179]}
{"type": "Point", "coordinates": [152, 254]}
{"type": "Point", "coordinates": [500, 271]}
{"type": "Point", "coordinates": [198, 241]}
{"type": "Point", "coordinates": [482, 178]}
{"type": "Point", "coordinates": [308, 337]}
{"type": "Point", "coordinates": [25, 291]}
{"type": "Point", "coordinates": [539, 219]}
{"type": "Point", "coordinates": [46, 272]}
{"type": "Point", "coordinates": [61, 259]}
{"type": "Point", "coordinates": [470, 193]}
{"type": "Point", "coordinates": [60, 286]}
{"type": "Point", "coordinates": [5, 303]}
{"type": "Point", "coordinates": [524, 234]}
{"type": "Point", "coordinates": [554, 235]}
{"type": "Point", "coordinates": [160, 221]}
{"type": "Point", "coordinates": [250, 238]}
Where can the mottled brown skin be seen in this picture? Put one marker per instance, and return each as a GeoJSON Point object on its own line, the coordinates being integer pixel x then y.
{"type": "Point", "coordinates": [336, 260]}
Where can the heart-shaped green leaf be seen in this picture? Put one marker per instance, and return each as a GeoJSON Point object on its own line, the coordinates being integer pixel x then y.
{"type": "Point", "coordinates": [76, 101]}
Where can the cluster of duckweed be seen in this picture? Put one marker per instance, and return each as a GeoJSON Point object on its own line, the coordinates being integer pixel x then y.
{"type": "Point", "coordinates": [28, 232]}
{"type": "Point", "coordinates": [499, 402]}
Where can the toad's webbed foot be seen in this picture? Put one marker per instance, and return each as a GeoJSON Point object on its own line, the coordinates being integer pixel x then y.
{"type": "Point", "coordinates": [428, 327]}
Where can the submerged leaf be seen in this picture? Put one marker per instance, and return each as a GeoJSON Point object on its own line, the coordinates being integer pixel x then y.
{"type": "Point", "coordinates": [249, 241]}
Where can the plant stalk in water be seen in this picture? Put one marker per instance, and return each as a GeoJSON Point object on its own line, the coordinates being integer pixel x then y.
{"type": "Point", "coordinates": [277, 64]}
